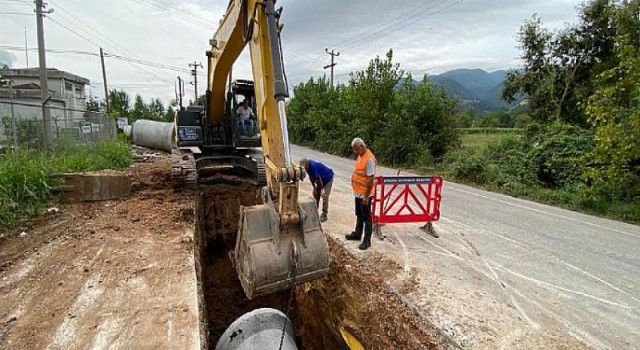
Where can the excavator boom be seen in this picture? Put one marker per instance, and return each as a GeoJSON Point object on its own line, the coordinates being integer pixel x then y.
{"type": "Point", "coordinates": [279, 243]}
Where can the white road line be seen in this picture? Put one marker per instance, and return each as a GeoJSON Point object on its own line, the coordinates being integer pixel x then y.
{"type": "Point", "coordinates": [446, 251]}
{"type": "Point", "coordinates": [577, 332]}
{"type": "Point", "coordinates": [599, 280]}
{"type": "Point", "coordinates": [545, 212]}
{"type": "Point", "coordinates": [555, 286]}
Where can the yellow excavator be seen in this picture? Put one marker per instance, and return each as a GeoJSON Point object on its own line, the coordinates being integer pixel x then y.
{"type": "Point", "coordinates": [279, 242]}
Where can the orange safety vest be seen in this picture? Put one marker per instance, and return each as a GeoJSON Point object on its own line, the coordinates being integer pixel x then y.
{"type": "Point", "coordinates": [359, 179]}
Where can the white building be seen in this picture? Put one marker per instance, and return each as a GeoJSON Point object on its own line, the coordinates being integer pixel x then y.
{"type": "Point", "coordinates": [67, 93]}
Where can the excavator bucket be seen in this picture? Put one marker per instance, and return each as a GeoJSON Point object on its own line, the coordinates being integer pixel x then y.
{"type": "Point", "coordinates": [270, 257]}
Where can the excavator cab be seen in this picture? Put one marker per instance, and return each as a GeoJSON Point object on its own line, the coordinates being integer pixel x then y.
{"type": "Point", "coordinates": [246, 132]}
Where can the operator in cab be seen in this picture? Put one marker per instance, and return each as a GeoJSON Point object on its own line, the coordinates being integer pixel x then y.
{"type": "Point", "coordinates": [246, 118]}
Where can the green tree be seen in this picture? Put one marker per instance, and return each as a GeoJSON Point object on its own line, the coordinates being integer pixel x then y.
{"type": "Point", "coordinates": [614, 111]}
{"type": "Point", "coordinates": [497, 119]}
{"type": "Point", "coordinates": [534, 80]}
{"type": "Point", "coordinates": [430, 111]}
{"type": "Point", "coordinates": [169, 115]}
{"type": "Point", "coordinates": [118, 103]}
{"type": "Point", "coordinates": [94, 104]}
{"type": "Point", "coordinates": [156, 109]}
{"type": "Point", "coordinates": [559, 67]}
{"type": "Point", "coordinates": [522, 120]}
{"type": "Point", "coordinates": [467, 117]}
{"type": "Point", "coordinates": [370, 94]}
{"type": "Point", "coordinates": [140, 109]}
{"type": "Point", "coordinates": [404, 123]}
{"type": "Point", "coordinates": [490, 120]}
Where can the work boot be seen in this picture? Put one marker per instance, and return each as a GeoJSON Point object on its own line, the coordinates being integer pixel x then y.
{"type": "Point", "coordinates": [366, 242]}
{"type": "Point", "coordinates": [323, 217]}
{"type": "Point", "coordinates": [353, 236]}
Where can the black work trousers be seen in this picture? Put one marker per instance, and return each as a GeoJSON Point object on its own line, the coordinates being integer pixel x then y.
{"type": "Point", "coordinates": [363, 219]}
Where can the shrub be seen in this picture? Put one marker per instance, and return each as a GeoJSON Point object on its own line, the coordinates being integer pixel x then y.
{"type": "Point", "coordinates": [26, 180]}
{"type": "Point", "coordinates": [558, 152]}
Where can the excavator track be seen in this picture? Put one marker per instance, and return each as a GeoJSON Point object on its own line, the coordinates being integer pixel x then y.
{"type": "Point", "coordinates": [262, 169]}
{"type": "Point", "coordinates": [186, 173]}
{"type": "Point", "coordinates": [183, 169]}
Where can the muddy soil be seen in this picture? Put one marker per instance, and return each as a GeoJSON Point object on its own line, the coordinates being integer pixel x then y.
{"type": "Point", "coordinates": [217, 211]}
{"type": "Point", "coordinates": [354, 299]}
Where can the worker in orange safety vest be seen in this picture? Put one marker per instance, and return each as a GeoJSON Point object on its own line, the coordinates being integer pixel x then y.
{"type": "Point", "coordinates": [362, 183]}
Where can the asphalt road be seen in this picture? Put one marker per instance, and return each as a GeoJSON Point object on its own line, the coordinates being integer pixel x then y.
{"type": "Point", "coordinates": [579, 270]}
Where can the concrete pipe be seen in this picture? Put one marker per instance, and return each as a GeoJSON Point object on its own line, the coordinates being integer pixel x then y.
{"type": "Point", "coordinates": [258, 329]}
{"type": "Point", "coordinates": [152, 134]}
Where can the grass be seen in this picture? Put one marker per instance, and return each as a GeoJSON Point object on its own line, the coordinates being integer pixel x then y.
{"type": "Point", "coordinates": [26, 182]}
{"type": "Point", "coordinates": [479, 140]}
{"type": "Point", "coordinates": [566, 198]}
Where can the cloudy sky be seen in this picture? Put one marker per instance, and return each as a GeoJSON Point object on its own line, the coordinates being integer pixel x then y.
{"type": "Point", "coordinates": [156, 39]}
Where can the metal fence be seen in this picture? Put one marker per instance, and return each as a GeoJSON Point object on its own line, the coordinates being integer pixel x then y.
{"type": "Point", "coordinates": [24, 128]}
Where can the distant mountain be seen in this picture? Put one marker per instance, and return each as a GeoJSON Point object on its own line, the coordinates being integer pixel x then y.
{"type": "Point", "coordinates": [475, 88]}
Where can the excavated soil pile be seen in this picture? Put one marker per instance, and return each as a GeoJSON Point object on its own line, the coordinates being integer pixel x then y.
{"type": "Point", "coordinates": [354, 299]}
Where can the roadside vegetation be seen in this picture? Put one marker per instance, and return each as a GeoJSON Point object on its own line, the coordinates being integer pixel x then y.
{"type": "Point", "coordinates": [405, 123]}
{"type": "Point", "coordinates": [26, 181]}
{"type": "Point", "coordinates": [576, 144]}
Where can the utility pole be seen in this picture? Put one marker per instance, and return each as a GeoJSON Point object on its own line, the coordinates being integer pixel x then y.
{"type": "Point", "coordinates": [194, 72]}
{"type": "Point", "coordinates": [180, 92]}
{"type": "Point", "coordinates": [46, 113]}
{"type": "Point", "coordinates": [26, 49]}
{"type": "Point", "coordinates": [104, 79]}
{"type": "Point", "coordinates": [332, 62]}
{"type": "Point", "coordinates": [13, 117]}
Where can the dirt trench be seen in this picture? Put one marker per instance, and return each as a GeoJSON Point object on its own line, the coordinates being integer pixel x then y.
{"type": "Point", "coordinates": [351, 301]}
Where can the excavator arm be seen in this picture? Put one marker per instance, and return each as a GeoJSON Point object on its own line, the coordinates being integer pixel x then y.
{"type": "Point", "coordinates": [280, 243]}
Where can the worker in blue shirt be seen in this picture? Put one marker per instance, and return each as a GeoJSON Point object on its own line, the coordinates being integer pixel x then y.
{"type": "Point", "coordinates": [321, 177]}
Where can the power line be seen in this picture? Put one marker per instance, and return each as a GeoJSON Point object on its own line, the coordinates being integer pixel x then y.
{"type": "Point", "coordinates": [72, 52]}
{"type": "Point", "coordinates": [333, 64]}
{"type": "Point", "coordinates": [133, 84]}
{"type": "Point", "coordinates": [412, 11]}
{"type": "Point", "coordinates": [110, 55]}
{"type": "Point", "coordinates": [17, 13]}
{"type": "Point", "coordinates": [100, 36]}
{"type": "Point", "coordinates": [177, 15]}
{"type": "Point", "coordinates": [389, 29]}
{"type": "Point", "coordinates": [16, 3]}
{"type": "Point", "coordinates": [204, 22]}
{"type": "Point", "coordinates": [73, 32]}
{"type": "Point", "coordinates": [355, 45]}
{"type": "Point", "coordinates": [98, 45]}
{"type": "Point", "coordinates": [393, 27]}
{"type": "Point", "coordinates": [398, 26]}
{"type": "Point", "coordinates": [149, 63]}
